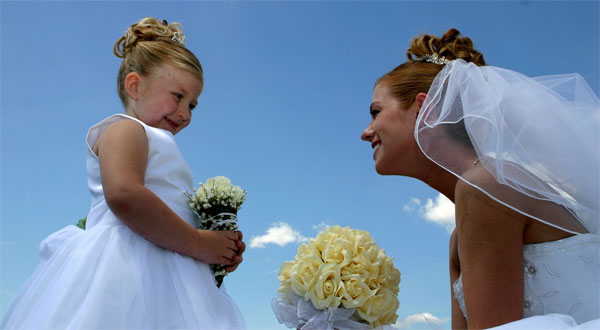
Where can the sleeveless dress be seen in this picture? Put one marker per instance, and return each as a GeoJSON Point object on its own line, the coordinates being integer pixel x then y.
{"type": "Point", "coordinates": [109, 277]}
{"type": "Point", "coordinates": [561, 277]}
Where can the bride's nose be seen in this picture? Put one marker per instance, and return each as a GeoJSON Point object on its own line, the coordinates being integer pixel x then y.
{"type": "Point", "coordinates": [367, 134]}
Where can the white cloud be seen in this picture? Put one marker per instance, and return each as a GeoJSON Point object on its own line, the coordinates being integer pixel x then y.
{"type": "Point", "coordinates": [412, 205]}
{"type": "Point", "coordinates": [279, 233]}
{"type": "Point", "coordinates": [321, 227]}
{"type": "Point", "coordinates": [439, 211]}
{"type": "Point", "coordinates": [420, 321]}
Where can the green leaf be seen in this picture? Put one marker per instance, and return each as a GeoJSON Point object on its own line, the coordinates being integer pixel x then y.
{"type": "Point", "coordinates": [81, 223]}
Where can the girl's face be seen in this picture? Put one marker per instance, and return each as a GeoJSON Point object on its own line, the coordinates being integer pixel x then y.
{"type": "Point", "coordinates": [391, 133]}
{"type": "Point", "coordinates": [165, 98]}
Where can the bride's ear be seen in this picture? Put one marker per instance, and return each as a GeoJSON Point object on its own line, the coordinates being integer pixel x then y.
{"type": "Point", "coordinates": [419, 100]}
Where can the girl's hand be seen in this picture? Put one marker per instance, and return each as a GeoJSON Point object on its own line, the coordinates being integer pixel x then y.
{"type": "Point", "coordinates": [218, 247]}
{"type": "Point", "coordinates": [237, 259]}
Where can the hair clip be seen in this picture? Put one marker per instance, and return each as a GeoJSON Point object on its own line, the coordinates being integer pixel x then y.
{"type": "Point", "coordinates": [179, 38]}
{"type": "Point", "coordinates": [433, 58]}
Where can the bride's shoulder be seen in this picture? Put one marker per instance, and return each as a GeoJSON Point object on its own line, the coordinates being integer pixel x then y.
{"type": "Point", "coordinates": [473, 183]}
{"type": "Point", "coordinates": [476, 197]}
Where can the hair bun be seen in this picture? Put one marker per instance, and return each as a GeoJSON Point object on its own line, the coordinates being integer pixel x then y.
{"type": "Point", "coordinates": [148, 29]}
{"type": "Point", "coordinates": [449, 46]}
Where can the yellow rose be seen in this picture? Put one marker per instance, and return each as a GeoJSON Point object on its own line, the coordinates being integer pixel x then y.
{"type": "Point", "coordinates": [284, 277]}
{"type": "Point", "coordinates": [338, 252]}
{"type": "Point", "coordinates": [380, 309]}
{"type": "Point", "coordinates": [389, 276]}
{"type": "Point", "coordinates": [343, 266]}
{"type": "Point", "coordinates": [356, 291]}
{"type": "Point", "coordinates": [362, 240]}
{"type": "Point", "coordinates": [309, 252]}
{"type": "Point", "coordinates": [326, 238]}
{"type": "Point", "coordinates": [326, 288]}
{"type": "Point", "coordinates": [360, 265]}
{"type": "Point", "coordinates": [301, 276]}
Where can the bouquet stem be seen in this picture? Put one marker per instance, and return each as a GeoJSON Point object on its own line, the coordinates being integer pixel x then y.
{"type": "Point", "coordinates": [221, 221]}
{"type": "Point", "coordinates": [216, 203]}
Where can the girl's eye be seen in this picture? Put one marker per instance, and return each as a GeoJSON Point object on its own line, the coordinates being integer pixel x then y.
{"type": "Point", "coordinates": [192, 107]}
{"type": "Point", "coordinates": [178, 96]}
{"type": "Point", "coordinates": [374, 113]}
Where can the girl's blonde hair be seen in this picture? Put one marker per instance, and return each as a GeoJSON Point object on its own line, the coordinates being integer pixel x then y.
{"type": "Point", "coordinates": [150, 43]}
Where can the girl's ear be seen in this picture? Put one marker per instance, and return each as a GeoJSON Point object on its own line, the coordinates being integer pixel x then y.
{"type": "Point", "coordinates": [132, 85]}
{"type": "Point", "coordinates": [419, 100]}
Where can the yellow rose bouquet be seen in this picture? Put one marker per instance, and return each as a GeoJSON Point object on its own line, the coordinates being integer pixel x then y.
{"type": "Point", "coordinates": [340, 279]}
{"type": "Point", "coordinates": [216, 204]}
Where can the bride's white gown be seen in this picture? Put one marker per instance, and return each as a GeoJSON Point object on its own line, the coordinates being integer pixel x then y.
{"type": "Point", "coordinates": [109, 277]}
{"type": "Point", "coordinates": [561, 277]}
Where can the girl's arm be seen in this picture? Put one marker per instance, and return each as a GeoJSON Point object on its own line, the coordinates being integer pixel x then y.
{"type": "Point", "coordinates": [458, 319]}
{"type": "Point", "coordinates": [491, 258]}
{"type": "Point", "coordinates": [122, 150]}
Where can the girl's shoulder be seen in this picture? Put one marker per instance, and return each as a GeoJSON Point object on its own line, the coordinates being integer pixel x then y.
{"type": "Point", "coordinates": [113, 119]}
{"type": "Point", "coordinates": [116, 121]}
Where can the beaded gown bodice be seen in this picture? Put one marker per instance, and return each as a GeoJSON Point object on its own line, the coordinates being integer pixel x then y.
{"type": "Point", "coordinates": [559, 277]}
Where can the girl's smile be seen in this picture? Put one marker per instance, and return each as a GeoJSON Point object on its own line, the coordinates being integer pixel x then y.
{"type": "Point", "coordinates": [164, 98]}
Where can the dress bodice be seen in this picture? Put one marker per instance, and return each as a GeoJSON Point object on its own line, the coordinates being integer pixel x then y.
{"type": "Point", "coordinates": [560, 277]}
{"type": "Point", "coordinates": [167, 174]}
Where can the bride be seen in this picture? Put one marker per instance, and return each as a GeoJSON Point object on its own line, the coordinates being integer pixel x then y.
{"type": "Point", "coordinates": [519, 157]}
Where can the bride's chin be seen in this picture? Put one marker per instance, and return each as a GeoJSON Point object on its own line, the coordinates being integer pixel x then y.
{"type": "Point", "coordinates": [386, 169]}
{"type": "Point", "coordinates": [382, 170]}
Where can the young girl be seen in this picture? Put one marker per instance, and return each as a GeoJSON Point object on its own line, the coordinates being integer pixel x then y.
{"type": "Point", "coordinates": [140, 264]}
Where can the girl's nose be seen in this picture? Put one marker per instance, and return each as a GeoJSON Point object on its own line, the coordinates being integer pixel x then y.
{"type": "Point", "coordinates": [184, 113]}
{"type": "Point", "coordinates": [367, 134]}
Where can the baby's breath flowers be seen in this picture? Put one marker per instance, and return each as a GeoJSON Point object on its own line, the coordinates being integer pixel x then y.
{"type": "Point", "coordinates": [216, 203]}
{"type": "Point", "coordinates": [349, 281]}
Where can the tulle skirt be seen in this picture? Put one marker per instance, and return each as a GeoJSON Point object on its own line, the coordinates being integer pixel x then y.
{"type": "Point", "coordinates": [109, 277]}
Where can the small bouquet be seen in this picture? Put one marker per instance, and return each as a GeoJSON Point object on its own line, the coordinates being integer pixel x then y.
{"type": "Point", "coordinates": [339, 280]}
{"type": "Point", "coordinates": [216, 204]}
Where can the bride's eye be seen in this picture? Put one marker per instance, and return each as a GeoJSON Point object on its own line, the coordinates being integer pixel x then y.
{"type": "Point", "coordinates": [374, 113]}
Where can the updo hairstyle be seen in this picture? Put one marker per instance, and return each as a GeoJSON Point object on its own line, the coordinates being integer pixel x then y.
{"type": "Point", "coordinates": [415, 76]}
{"type": "Point", "coordinates": [150, 43]}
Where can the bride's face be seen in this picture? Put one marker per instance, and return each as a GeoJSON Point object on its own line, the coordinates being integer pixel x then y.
{"type": "Point", "coordinates": [391, 133]}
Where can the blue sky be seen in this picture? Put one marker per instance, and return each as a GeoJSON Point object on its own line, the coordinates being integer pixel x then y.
{"type": "Point", "coordinates": [288, 87]}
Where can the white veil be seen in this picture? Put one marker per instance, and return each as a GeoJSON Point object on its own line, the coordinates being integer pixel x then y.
{"type": "Point", "coordinates": [538, 137]}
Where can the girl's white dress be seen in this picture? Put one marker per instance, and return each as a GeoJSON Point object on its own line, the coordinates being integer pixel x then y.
{"type": "Point", "coordinates": [109, 277]}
